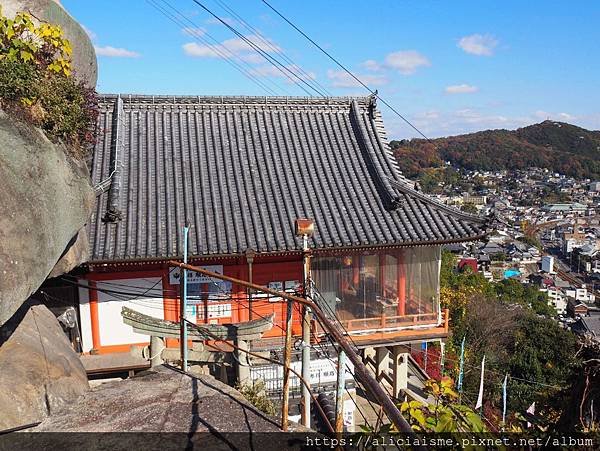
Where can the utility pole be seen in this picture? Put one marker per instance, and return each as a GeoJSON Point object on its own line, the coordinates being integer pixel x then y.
{"type": "Point", "coordinates": [305, 413]}
{"type": "Point", "coordinates": [287, 360]}
{"type": "Point", "coordinates": [305, 228]}
{"type": "Point", "coordinates": [183, 303]}
{"type": "Point", "coordinates": [339, 394]}
{"type": "Point", "coordinates": [250, 254]}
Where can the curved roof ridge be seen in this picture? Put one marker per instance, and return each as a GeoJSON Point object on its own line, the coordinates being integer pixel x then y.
{"type": "Point", "coordinates": [406, 189]}
{"type": "Point", "coordinates": [389, 195]}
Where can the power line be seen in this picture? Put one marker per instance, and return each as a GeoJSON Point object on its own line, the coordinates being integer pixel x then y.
{"type": "Point", "coordinates": [231, 59]}
{"type": "Point", "coordinates": [478, 368]}
{"type": "Point", "coordinates": [290, 74]}
{"type": "Point", "coordinates": [336, 61]}
{"type": "Point", "coordinates": [220, 48]}
{"type": "Point", "coordinates": [273, 48]}
{"type": "Point", "coordinates": [118, 294]}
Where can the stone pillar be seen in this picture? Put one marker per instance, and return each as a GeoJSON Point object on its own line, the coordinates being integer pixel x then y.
{"type": "Point", "coordinates": [157, 345]}
{"type": "Point", "coordinates": [243, 367]}
{"type": "Point", "coordinates": [382, 364]}
{"type": "Point", "coordinates": [399, 370]}
{"type": "Point", "coordinates": [369, 358]}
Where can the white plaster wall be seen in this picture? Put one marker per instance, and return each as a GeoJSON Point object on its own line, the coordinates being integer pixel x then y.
{"type": "Point", "coordinates": [85, 319]}
{"type": "Point", "coordinates": [113, 331]}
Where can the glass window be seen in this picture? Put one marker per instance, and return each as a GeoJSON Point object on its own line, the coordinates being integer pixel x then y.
{"type": "Point", "coordinates": [391, 284]}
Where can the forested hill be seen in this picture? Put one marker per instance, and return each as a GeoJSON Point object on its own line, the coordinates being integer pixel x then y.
{"type": "Point", "coordinates": [558, 146]}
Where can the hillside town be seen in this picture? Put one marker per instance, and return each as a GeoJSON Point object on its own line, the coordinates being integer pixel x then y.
{"type": "Point", "coordinates": [547, 234]}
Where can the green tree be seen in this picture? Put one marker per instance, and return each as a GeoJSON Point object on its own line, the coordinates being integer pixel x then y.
{"type": "Point", "coordinates": [469, 207]}
{"type": "Point", "coordinates": [502, 321]}
{"type": "Point", "coordinates": [544, 353]}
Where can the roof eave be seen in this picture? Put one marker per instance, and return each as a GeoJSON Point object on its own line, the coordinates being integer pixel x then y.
{"type": "Point", "coordinates": [315, 251]}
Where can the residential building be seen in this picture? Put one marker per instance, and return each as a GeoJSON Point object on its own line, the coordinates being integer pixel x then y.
{"type": "Point", "coordinates": [548, 264]}
{"type": "Point", "coordinates": [580, 294]}
{"type": "Point", "coordinates": [557, 299]}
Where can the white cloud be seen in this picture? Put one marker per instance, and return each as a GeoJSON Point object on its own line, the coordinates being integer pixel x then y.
{"type": "Point", "coordinates": [341, 79]}
{"type": "Point", "coordinates": [461, 89]}
{"type": "Point", "coordinates": [406, 61]}
{"type": "Point", "coordinates": [114, 52]}
{"type": "Point", "coordinates": [436, 123]}
{"type": "Point", "coordinates": [478, 44]}
{"type": "Point", "coordinates": [194, 31]}
{"type": "Point", "coordinates": [272, 71]}
{"type": "Point", "coordinates": [371, 65]}
{"type": "Point", "coordinates": [200, 51]}
{"type": "Point", "coordinates": [236, 46]}
{"type": "Point", "coordinates": [214, 21]}
{"type": "Point", "coordinates": [545, 115]}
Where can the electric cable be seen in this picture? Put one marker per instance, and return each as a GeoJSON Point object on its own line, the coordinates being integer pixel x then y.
{"type": "Point", "coordinates": [336, 61]}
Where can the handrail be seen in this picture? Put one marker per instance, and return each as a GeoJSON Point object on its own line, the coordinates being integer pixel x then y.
{"type": "Point", "coordinates": [237, 348]}
{"type": "Point", "coordinates": [368, 381]}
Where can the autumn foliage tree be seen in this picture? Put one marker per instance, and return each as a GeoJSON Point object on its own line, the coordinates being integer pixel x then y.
{"type": "Point", "coordinates": [37, 83]}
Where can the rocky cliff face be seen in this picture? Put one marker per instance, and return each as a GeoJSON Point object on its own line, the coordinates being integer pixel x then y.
{"type": "Point", "coordinates": [39, 371]}
{"type": "Point", "coordinates": [45, 199]}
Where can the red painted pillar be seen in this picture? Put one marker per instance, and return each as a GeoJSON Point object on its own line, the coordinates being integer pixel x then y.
{"type": "Point", "coordinates": [94, 317]}
{"type": "Point", "coordinates": [382, 274]}
{"type": "Point", "coordinates": [401, 284]}
{"type": "Point", "coordinates": [170, 305]}
{"type": "Point", "coordinates": [356, 270]}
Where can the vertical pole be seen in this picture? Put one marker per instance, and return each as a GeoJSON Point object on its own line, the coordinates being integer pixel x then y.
{"type": "Point", "coordinates": [287, 360]}
{"type": "Point", "coordinates": [305, 413]}
{"type": "Point", "coordinates": [339, 394]}
{"type": "Point", "coordinates": [461, 365]}
{"type": "Point", "coordinates": [442, 357]}
{"type": "Point", "coordinates": [183, 303]}
{"type": "Point", "coordinates": [250, 315]}
{"type": "Point", "coordinates": [250, 253]}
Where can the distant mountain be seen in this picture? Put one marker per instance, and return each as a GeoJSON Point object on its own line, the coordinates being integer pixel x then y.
{"type": "Point", "coordinates": [557, 146]}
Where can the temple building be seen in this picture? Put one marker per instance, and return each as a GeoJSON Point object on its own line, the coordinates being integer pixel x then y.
{"type": "Point", "coordinates": [239, 171]}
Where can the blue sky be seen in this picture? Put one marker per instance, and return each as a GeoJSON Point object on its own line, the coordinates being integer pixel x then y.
{"type": "Point", "coordinates": [450, 67]}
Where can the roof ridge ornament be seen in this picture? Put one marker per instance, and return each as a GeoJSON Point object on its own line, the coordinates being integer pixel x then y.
{"type": "Point", "coordinates": [113, 214]}
{"type": "Point", "coordinates": [373, 104]}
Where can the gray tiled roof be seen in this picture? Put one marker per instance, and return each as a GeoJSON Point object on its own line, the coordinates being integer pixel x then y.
{"type": "Point", "coordinates": [240, 170]}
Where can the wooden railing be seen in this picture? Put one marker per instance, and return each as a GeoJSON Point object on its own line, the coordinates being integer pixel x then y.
{"type": "Point", "coordinates": [394, 323]}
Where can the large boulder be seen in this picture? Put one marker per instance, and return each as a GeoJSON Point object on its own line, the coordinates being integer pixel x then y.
{"type": "Point", "coordinates": [40, 371]}
{"type": "Point", "coordinates": [45, 199]}
{"type": "Point", "coordinates": [84, 56]}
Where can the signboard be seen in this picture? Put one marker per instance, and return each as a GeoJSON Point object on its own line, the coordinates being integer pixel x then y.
{"type": "Point", "coordinates": [215, 311]}
{"type": "Point", "coordinates": [322, 371]}
{"type": "Point", "coordinates": [194, 277]}
{"type": "Point", "coordinates": [289, 286]}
